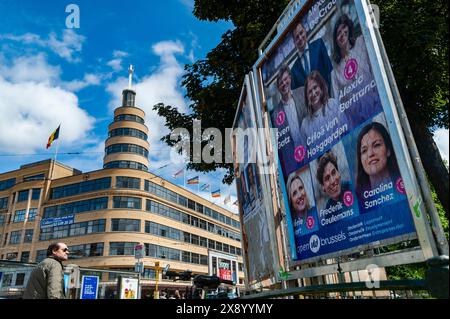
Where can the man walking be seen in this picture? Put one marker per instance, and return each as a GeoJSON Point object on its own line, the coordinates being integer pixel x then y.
{"type": "Point", "coordinates": [47, 279]}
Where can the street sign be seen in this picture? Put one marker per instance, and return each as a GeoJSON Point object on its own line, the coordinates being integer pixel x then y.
{"type": "Point", "coordinates": [139, 267]}
{"type": "Point", "coordinates": [139, 251]}
{"type": "Point", "coordinates": [89, 287]}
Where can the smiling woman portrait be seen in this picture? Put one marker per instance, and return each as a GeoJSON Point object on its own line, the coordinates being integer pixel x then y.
{"type": "Point", "coordinates": [375, 156]}
{"type": "Point", "coordinates": [303, 213]}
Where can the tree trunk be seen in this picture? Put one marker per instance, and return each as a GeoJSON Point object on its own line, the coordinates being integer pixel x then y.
{"type": "Point", "coordinates": [435, 168]}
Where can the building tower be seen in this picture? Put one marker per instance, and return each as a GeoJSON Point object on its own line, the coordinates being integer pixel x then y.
{"type": "Point", "coordinates": [127, 145]}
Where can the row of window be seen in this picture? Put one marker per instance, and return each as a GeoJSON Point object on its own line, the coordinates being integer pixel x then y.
{"type": "Point", "coordinates": [175, 234]}
{"type": "Point", "coordinates": [126, 148]}
{"type": "Point", "coordinates": [4, 202]}
{"type": "Point", "coordinates": [19, 215]}
{"type": "Point", "coordinates": [183, 201]}
{"type": "Point", "coordinates": [16, 236]}
{"type": "Point", "coordinates": [7, 184]}
{"type": "Point", "coordinates": [131, 182]}
{"type": "Point", "coordinates": [77, 229]}
{"type": "Point", "coordinates": [126, 131]}
{"type": "Point", "coordinates": [129, 117]}
{"type": "Point", "coordinates": [98, 203]}
{"type": "Point", "coordinates": [38, 177]}
{"type": "Point", "coordinates": [22, 196]}
{"type": "Point", "coordinates": [79, 188]}
{"type": "Point", "coordinates": [126, 202]}
{"type": "Point", "coordinates": [126, 164]}
{"type": "Point", "coordinates": [128, 182]}
{"type": "Point", "coordinates": [174, 214]}
{"type": "Point", "coordinates": [77, 251]}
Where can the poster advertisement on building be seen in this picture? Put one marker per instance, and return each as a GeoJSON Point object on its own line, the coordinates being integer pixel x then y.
{"type": "Point", "coordinates": [338, 165]}
{"type": "Point", "coordinates": [129, 288]}
{"type": "Point", "coordinates": [256, 236]}
{"type": "Point", "coordinates": [89, 287]}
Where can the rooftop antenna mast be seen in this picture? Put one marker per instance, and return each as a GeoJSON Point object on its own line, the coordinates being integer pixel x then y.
{"type": "Point", "coordinates": [130, 76]}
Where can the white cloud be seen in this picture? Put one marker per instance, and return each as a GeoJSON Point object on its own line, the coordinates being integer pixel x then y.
{"type": "Point", "coordinates": [66, 48]}
{"type": "Point", "coordinates": [189, 4]}
{"type": "Point", "coordinates": [441, 139]}
{"type": "Point", "coordinates": [88, 80]}
{"type": "Point", "coordinates": [116, 64]}
{"type": "Point", "coordinates": [119, 54]}
{"type": "Point", "coordinates": [32, 107]}
{"type": "Point", "coordinates": [30, 69]}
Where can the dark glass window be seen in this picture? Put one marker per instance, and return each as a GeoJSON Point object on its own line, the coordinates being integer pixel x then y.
{"type": "Point", "coordinates": [15, 237]}
{"type": "Point", "coordinates": [126, 131]}
{"type": "Point", "coordinates": [23, 196]}
{"type": "Point", "coordinates": [126, 148]}
{"type": "Point", "coordinates": [86, 250]}
{"type": "Point", "coordinates": [28, 238]}
{"type": "Point", "coordinates": [129, 117]}
{"type": "Point", "coordinates": [7, 184]}
{"type": "Point", "coordinates": [79, 188]}
{"type": "Point", "coordinates": [19, 216]}
{"type": "Point", "coordinates": [98, 203]}
{"type": "Point", "coordinates": [36, 193]}
{"type": "Point", "coordinates": [132, 225]}
{"type": "Point", "coordinates": [126, 164]}
{"type": "Point", "coordinates": [25, 256]}
{"type": "Point", "coordinates": [127, 202]}
{"type": "Point", "coordinates": [4, 203]}
{"type": "Point", "coordinates": [121, 248]}
{"type": "Point", "coordinates": [128, 182]}
{"type": "Point", "coordinates": [34, 177]}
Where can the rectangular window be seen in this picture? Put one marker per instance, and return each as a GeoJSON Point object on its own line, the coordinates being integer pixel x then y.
{"type": "Point", "coordinates": [23, 196]}
{"type": "Point", "coordinates": [127, 202]}
{"type": "Point", "coordinates": [99, 203]}
{"type": "Point", "coordinates": [191, 204]}
{"type": "Point", "coordinates": [15, 237]}
{"type": "Point", "coordinates": [79, 188]}
{"type": "Point", "coordinates": [32, 214]}
{"type": "Point", "coordinates": [7, 184]}
{"type": "Point", "coordinates": [38, 177]}
{"type": "Point", "coordinates": [19, 216]}
{"type": "Point", "coordinates": [121, 248]}
{"type": "Point", "coordinates": [28, 238]}
{"type": "Point", "coordinates": [35, 194]}
{"type": "Point", "coordinates": [132, 225]}
{"type": "Point", "coordinates": [20, 279]}
{"type": "Point", "coordinates": [25, 256]}
{"type": "Point", "coordinates": [128, 182]}
{"type": "Point", "coordinates": [4, 203]}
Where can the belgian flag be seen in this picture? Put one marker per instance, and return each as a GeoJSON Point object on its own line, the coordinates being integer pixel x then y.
{"type": "Point", "coordinates": [53, 137]}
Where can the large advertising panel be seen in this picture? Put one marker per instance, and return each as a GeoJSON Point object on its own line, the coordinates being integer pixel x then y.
{"type": "Point", "coordinates": [258, 247]}
{"type": "Point", "coordinates": [341, 181]}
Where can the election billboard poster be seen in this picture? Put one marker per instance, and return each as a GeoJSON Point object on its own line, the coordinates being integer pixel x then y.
{"type": "Point", "coordinates": [338, 159]}
{"type": "Point", "coordinates": [257, 236]}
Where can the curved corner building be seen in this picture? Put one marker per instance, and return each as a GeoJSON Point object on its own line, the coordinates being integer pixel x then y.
{"type": "Point", "coordinates": [102, 215]}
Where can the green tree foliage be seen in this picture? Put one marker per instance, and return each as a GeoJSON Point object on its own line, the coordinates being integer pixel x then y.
{"type": "Point", "coordinates": [415, 33]}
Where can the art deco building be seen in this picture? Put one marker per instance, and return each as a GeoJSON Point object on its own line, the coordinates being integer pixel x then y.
{"type": "Point", "coordinates": [102, 215]}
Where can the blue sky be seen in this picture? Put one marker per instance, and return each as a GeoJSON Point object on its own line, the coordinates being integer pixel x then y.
{"type": "Point", "coordinates": [50, 74]}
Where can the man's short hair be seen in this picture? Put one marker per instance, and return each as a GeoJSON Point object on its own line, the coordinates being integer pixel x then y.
{"type": "Point", "coordinates": [326, 158]}
{"type": "Point", "coordinates": [285, 68]}
{"type": "Point", "coordinates": [51, 248]}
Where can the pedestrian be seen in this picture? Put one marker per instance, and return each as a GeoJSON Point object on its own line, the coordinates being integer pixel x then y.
{"type": "Point", "coordinates": [47, 279]}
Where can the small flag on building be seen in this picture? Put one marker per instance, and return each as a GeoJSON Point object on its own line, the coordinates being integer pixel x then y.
{"type": "Point", "coordinates": [193, 180]}
{"type": "Point", "coordinates": [204, 187]}
{"type": "Point", "coordinates": [227, 200]}
{"type": "Point", "coordinates": [216, 193]}
{"type": "Point", "coordinates": [178, 173]}
{"type": "Point", "coordinates": [53, 137]}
